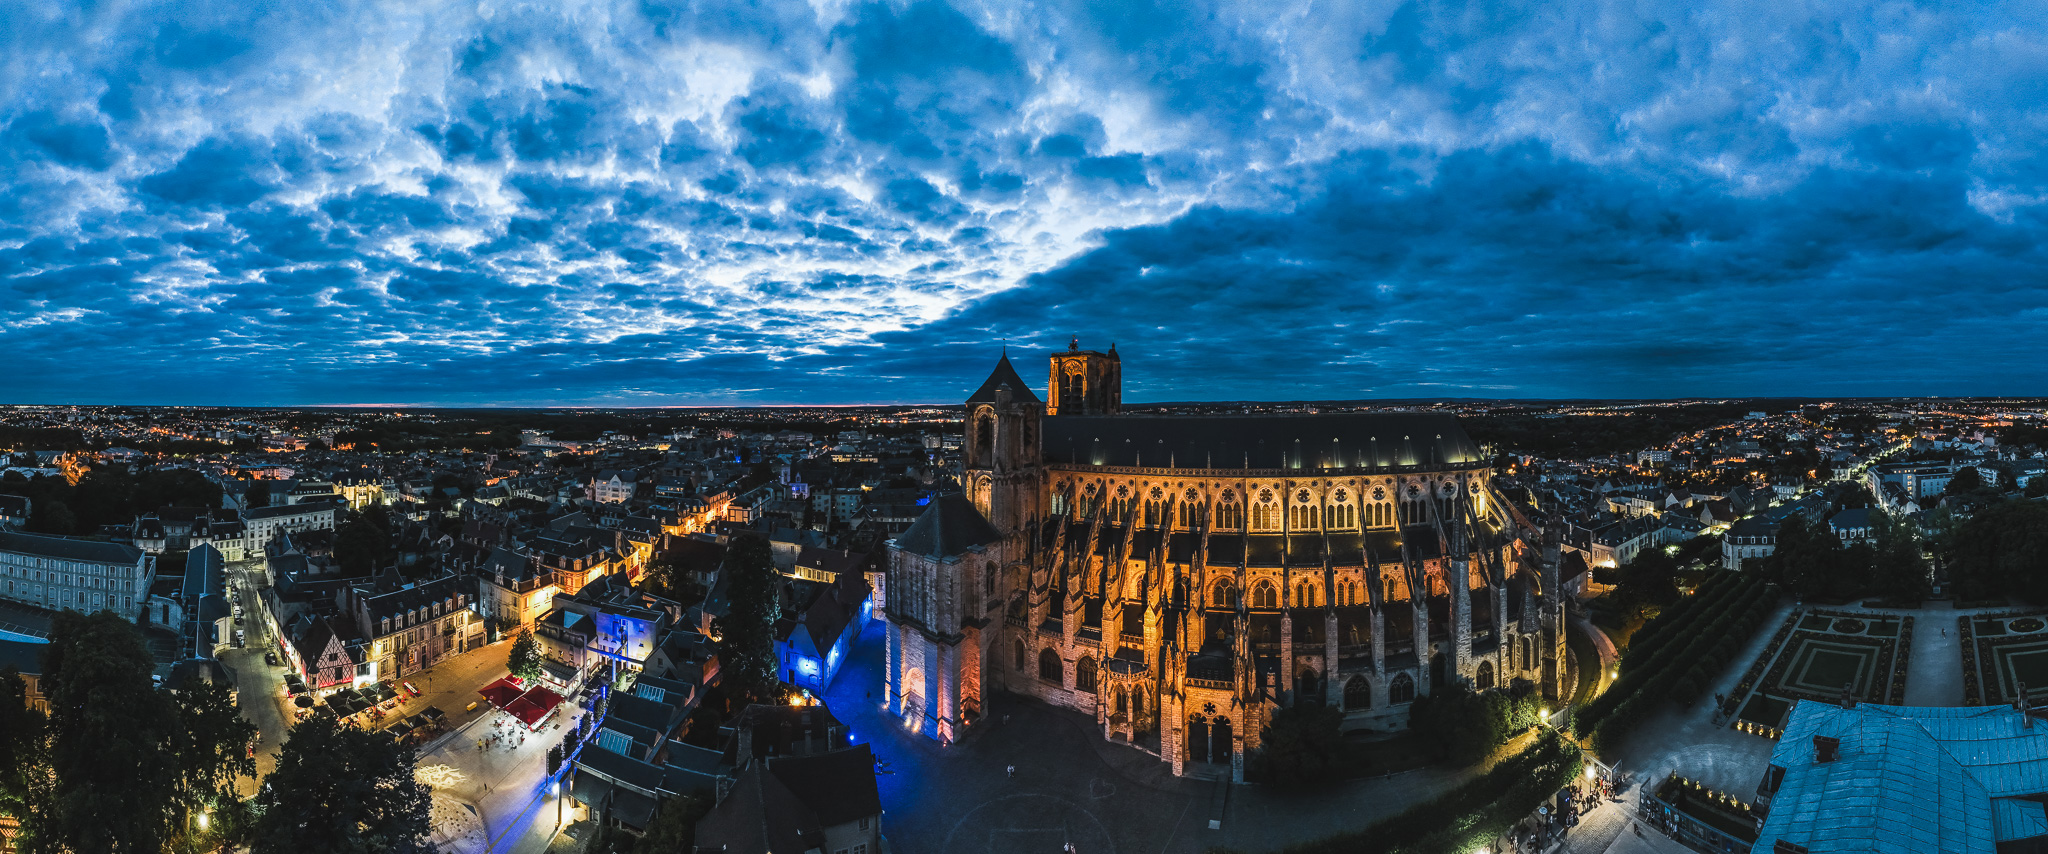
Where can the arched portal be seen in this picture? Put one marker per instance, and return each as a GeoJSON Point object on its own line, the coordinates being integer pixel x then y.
{"type": "Point", "coordinates": [1198, 739]}
{"type": "Point", "coordinates": [1220, 748]}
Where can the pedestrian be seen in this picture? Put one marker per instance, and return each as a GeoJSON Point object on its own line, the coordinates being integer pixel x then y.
{"type": "Point", "coordinates": [1013, 771]}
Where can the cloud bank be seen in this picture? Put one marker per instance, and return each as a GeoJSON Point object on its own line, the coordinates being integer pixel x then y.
{"type": "Point", "coordinates": [780, 202]}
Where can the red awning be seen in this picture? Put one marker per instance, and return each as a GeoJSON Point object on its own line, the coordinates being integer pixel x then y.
{"type": "Point", "coordinates": [502, 693]}
{"type": "Point", "coordinates": [533, 707]}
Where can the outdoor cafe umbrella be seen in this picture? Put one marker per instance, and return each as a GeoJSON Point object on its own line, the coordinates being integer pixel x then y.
{"type": "Point", "coordinates": [305, 701]}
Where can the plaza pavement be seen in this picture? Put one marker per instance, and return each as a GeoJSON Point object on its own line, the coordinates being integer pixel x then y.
{"type": "Point", "coordinates": [504, 783]}
{"type": "Point", "coordinates": [1071, 786]}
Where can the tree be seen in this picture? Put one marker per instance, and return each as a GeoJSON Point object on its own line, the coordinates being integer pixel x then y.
{"type": "Point", "coordinates": [52, 516]}
{"type": "Point", "coordinates": [1966, 481]}
{"type": "Point", "coordinates": [363, 544]}
{"type": "Point", "coordinates": [1455, 721]}
{"type": "Point", "coordinates": [212, 745]}
{"type": "Point", "coordinates": [675, 827]}
{"type": "Point", "coordinates": [746, 645]}
{"type": "Point", "coordinates": [1301, 746]}
{"type": "Point", "coordinates": [341, 790]}
{"type": "Point", "coordinates": [524, 659]}
{"type": "Point", "coordinates": [2002, 549]}
{"type": "Point", "coordinates": [258, 494]}
{"type": "Point", "coordinates": [111, 734]}
{"type": "Point", "coordinates": [24, 758]}
{"type": "Point", "coordinates": [1899, 571]}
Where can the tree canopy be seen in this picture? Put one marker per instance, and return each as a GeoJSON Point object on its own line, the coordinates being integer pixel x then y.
{"type": "Point", "coordinates": [746, 646]}
{"type": "Point", "coordinates": [2001, 550]}
{"type": "Point", "coordinates": [523, 660]}
{"type": "Point", "coordinates": [342, 790]}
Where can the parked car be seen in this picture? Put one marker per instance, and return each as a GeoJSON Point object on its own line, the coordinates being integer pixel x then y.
{"type": "Point", "coordinates": [270, 658]}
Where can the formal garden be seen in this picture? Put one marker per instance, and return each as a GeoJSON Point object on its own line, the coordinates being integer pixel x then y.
{"type": "Point", "coordinates": [1818, 655]}
{"type": "Point", "coordinates": [2001, 652]}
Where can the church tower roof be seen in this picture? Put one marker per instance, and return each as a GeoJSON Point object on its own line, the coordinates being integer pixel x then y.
{"type": "Point", "coordinates": [1004, 376]}
{"type": "Point", "coordinates": [950, 526]}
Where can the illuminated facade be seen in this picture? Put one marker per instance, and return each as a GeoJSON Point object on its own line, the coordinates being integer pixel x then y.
{"type": "Point", "coordinates": [1179, 577]}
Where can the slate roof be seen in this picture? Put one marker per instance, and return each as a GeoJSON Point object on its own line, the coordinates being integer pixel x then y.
{"type": "Point", "coordinates": [1368, 441]}
{"type": "Point", "coordinates": [759, 816]}
{"type": "Point", "coordinates": [838, 786]}
{"type": "Point", "coordinates": [950, 526]}
{"type": "Point", "coordinates": [1908, 779]}
{"type": "Point", "coordinates": [68, 548]}
{"type": "Point", "coordinates": [1004, 376]}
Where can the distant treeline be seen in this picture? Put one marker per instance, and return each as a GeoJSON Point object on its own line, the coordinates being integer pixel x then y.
{"type": "Point", "coordinates": [1583, 436]}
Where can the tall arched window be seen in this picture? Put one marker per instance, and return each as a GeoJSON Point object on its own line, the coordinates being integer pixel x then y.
{"type": "Point", "coordinates": [1264, 596]}
{"type": "Point", "coordinates": [984, 441]}
{"type": "Point", "coordinates": [1401, 690]}
{"type": "Point", "coordinates": [1049, 666]}
{"type": "Point", "coordinates": [1357, 693]}
{"type": "Point", "coordinates": [1022, 662]}
{"type": "Point", "coordinates": [1084, 674]}
{"type": "Point", "coordinates": [989, 571]}
{"type": "Point", "coordinates": [1223, 595]}
{"type": "Point", "coordinates": [1485, 678]}
{"type": "Point", "coordinates": [1305, 595]}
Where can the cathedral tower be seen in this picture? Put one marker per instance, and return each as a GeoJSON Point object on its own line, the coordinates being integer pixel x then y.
{"type": "Point", "coordinates": [1085, 382]}
{"type": "Point", "coordinates": [1000, 469]}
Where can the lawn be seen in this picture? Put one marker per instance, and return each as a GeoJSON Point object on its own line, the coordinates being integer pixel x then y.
{"type": "Point", "coordinates": [2025, 664]}
{"type": "Point", "coordinates": [1825, 666]}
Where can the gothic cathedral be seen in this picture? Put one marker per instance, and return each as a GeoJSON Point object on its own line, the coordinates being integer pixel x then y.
{"type": "Point", "coordinates": [1352, 559]}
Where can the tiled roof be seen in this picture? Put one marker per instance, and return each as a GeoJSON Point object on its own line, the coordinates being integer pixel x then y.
{"type": "Point", "coordinates": [1907, 779]}
{"type": "Point", "coordinates": [68, 548]}
{"type": "Point", "coordinates": [950, 526]}
{"type": "Point", "coordinates": [1004, 376]}
{"type": "Point", "coordinates": [1365, 440]}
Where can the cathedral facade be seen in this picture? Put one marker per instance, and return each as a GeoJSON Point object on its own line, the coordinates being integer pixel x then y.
{"type": "Point", "coordinates": [1180, 577]}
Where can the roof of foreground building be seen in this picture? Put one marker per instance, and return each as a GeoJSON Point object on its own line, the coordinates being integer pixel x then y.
{"type": "Point", "coordinates": [1907, 779]}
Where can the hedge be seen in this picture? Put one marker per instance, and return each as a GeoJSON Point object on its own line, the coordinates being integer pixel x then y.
{"type": "Point", "coordinates": [1644, 662]}
{"type": "Point", "coordinates": [1473, 814]}
{"type": "Point", "coordinates": [1688, 672]}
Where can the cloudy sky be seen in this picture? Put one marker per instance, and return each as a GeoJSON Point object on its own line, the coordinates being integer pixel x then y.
{"type": "Point", "coordinates": [718, 202]}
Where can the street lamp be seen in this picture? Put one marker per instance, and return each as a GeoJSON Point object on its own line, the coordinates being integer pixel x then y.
{"type": "Point", "coordinates": [202, 820]}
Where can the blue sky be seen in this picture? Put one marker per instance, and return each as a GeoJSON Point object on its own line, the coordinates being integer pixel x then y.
{"type": "Point", "coordinates": [824, 202]}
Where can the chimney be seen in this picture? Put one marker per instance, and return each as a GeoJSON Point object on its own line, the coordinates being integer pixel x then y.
{"type": "Point", "coordinates": [1826, 749]}
{"type": "Point", "coordinates": [2025, 706]}
{"type": "Point", "coordinates": [1848, 696]}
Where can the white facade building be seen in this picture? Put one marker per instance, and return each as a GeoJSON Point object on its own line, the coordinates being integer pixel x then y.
{"type": "Point", "coordinates": [84, 575]}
